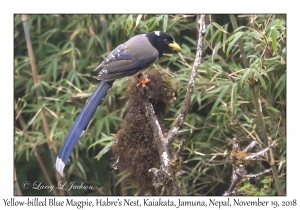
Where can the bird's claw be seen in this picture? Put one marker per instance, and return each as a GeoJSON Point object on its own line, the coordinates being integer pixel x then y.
{"type": "Point", "coordinates": [142, 81]}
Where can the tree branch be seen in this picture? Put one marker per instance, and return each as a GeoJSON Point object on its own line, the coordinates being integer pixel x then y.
{"type": "Point", "coordinates": [190, 89]}
{"type": "Point", "coordinates": [166, 174]}
{"type": "Point", "coordinates": [162, 143]}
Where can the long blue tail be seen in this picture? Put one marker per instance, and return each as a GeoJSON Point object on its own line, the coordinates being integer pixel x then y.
{"type": "Point", "coordinates": [81, 123]}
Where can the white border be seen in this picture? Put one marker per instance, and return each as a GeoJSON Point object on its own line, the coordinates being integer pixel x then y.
{"type": "Point", "coordinates": [150, 6]}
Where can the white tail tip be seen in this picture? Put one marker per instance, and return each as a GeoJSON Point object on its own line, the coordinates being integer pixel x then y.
{"type": "Point", "coordinates": [59, 165]}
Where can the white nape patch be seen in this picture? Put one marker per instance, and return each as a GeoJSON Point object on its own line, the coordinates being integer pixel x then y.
{"type": "Point", "coordinates": [157, 33]}
{"type": "Point", "coordinates": [59, 165]}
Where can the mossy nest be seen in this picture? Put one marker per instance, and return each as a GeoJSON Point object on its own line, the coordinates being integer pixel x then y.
{"type": "Point", "coordinates": [134, 146]}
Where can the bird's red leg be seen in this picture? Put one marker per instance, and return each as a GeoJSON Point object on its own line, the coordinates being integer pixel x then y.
{"type": "Point", "coordinates": [142, 81]}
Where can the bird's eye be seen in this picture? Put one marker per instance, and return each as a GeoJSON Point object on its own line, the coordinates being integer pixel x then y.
{"type": "Point", "coordinates": [166, 41]}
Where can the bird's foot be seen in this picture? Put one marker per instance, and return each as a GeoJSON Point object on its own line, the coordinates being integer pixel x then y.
{"type": "Point", "coordinates": [142, 81]}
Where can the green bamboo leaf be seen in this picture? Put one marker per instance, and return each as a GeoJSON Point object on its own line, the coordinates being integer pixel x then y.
{"type": "Point", "coordinates": [219, 27]}
{"type": "Point", "coordinates": [198, 96]}
{"type": "Point", "coordinates": [228, 40]}
{"type": "Point", "coordinates": [261, 79]}
{"type": "Point", "coordinates": [279, 27]}
{"type": "Point", "coordinates": [266, 181]}
{"type": "Point", "coordinates": [55, 69]}
{"type": "Point", "coordinates": [257, 24]}
{"type": "Point", "coordinates": [91, 42]}
{"type": "Point", "coordinates": [138, 20]}
{"type": "Point", "coordinates": [122, 176]}
{"type": "Point", "coordinates": [165, 24]}
{"type": "Point", "coordinates": [222, 93]}
{"type": "Point", "coordinates": [192, 41]}
{"type": "Point", "coordinates": [272, 24]}
{"type": "Point", "coordinates": [71, 168]}
{"type": "Point", "coordinates": [155, 22]}
{"type": "Point", "coordinates": [239, 28]}
{"type": "Point", "coordinates": [107, 127]}
{"type": "Point", "coordinates": [236, 37]}
{"type": "Point", "coordinates": [39, 20]}
{"type": "Point", "coordinates": [215, 36]}
{"type": "Point", "coordinates": [104, 150]}
{"type": "Point", "coordinates": [100, 41]}
{"type": "Point", "coordinates": [250, 121]}
{"type": "Point", "coordinates": [263, 72]}
{"type": "Point", "coordinates": [102, 141]}
{"type": "Point", "coordinates": [255, 34]}
{"type": "Point", "coordinates": [245, 186]}
{"type": "Point", "coordinates": [208, 95]}
{"type": "Point", "coordinates": [253, 56]}
{"type": "Point", "coordinates": [81, 169]}
{"type": "Point", "coordinates": [224, 38]}
{"type": "Point", "coordinates": [245, 76]}
{"type": "Point", "coordinates": [280, 85]}
{"type": "Point", "coordinates": [274, 40]}
{"type": "Point", "coordinates": [173, 22]}
{"type": "Point", "coordinates": [215, 51]}
{"type": "Point", "coordinates": [281, 79]}
{"type": "Point", "coordinates": [209, 30]}
{"type": "Point", "coordinates": [272, 109]}
{"type": "Point", "coordinates": [212, 133]}
{"type": "Point", "coordinates": [48, 34]}
{"type": "Point", "coordinates": [233, 98]}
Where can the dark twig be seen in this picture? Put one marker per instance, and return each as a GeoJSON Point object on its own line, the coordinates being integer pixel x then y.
{"type": "Point", "coordinates": [181, 147]}
{"type": "Point", "coordinates": [240, 173]}
{"type": "Point", "coordinates": [17, 190]}
{"type": "Point", "coordinates": [239, 159]}
{"type": "Point", "coordinates": [44, 170]}
{"type": "Point", "coordinates": [261, 152]}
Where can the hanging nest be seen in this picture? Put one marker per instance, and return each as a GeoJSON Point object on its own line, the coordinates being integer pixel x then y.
{"type": "Point", "coordinates": [134, 146]}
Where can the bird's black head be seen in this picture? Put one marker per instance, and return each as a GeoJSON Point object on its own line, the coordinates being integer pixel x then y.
{"type": "Point", "coordinates": [161, 41]}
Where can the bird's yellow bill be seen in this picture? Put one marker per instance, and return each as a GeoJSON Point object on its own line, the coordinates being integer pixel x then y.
{"type": "Point", "coordinates": [174, 45]}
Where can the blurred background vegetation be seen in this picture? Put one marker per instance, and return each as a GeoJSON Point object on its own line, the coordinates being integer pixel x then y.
{"type": "Point", "coordinates": [68, 47]}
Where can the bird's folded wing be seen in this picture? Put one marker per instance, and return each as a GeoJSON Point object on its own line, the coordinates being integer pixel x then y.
{"type": "Point", "coordinates": [125, 60]}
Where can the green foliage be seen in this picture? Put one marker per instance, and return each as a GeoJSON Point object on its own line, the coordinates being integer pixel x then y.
{"type": "Point", "coordinates": [68, 47]}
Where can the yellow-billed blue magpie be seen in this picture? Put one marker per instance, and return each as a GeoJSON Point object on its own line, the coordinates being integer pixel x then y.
{"type": "Point", "coordinates": [127, 59]}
